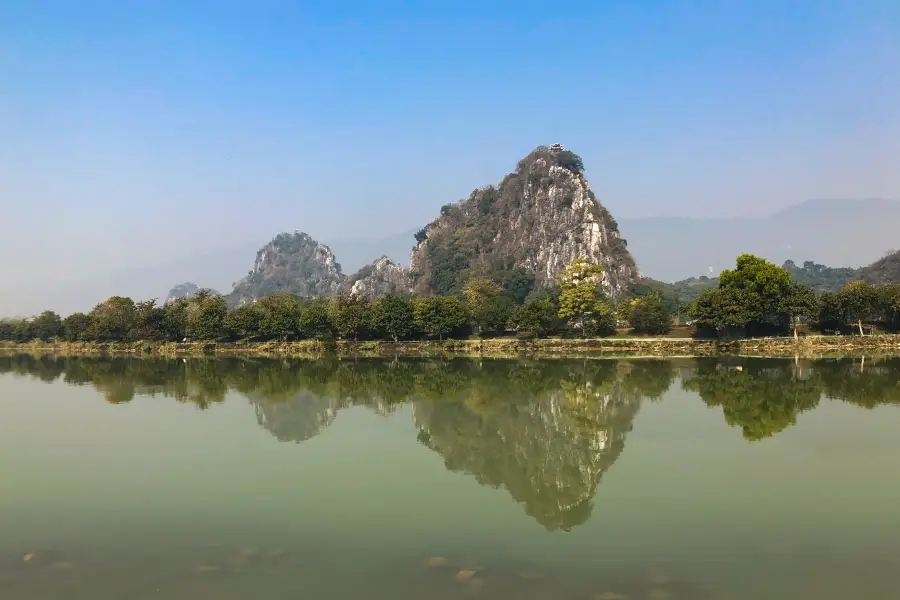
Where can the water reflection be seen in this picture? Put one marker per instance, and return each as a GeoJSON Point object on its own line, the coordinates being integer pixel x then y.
{"type": "Point", "coordinates": [548, 444]}
{"type": "Point", "coordinates": [545, 431]}
{"type": "Point", "coordinates": [765, 396]}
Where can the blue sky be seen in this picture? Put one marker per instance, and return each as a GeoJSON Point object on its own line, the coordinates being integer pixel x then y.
{"type": "Point", "coordinates": [132, 133]}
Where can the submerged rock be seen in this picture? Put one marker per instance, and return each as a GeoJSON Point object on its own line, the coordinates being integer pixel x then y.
{"type": "Point", "coordinates": [437, 561]}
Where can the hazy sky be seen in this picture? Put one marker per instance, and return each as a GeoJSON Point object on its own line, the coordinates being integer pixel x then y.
{"type": "Point", "coordinates": [132, 133]}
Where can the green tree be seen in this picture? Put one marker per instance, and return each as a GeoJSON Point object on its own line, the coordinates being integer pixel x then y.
{"type": "Point", "coordinates": [439, 315]}
{"type": "Point", "coordinates": [888, 301]}
{"type": "Point", "coordinates": [244, 321]}
{"type": "Point", "coordinates": [601, 321]}
{"type": "Point", "coordinates": [23, 330]}
{"type": "Point", "coordinates": [206, 317]}
{"type": "Point", "coordinates": [537, 316]}
{"type": "Point", "coordinates": [393, 316]}
{"type": "Point", "coordinates": [280, 316]}
{"type": "Point", "coordinates": [47, 326]}
{"type": "Point", "coordinates": [314, 321]}
{"type": "Point", "coordinates": [77, 327]}
{"type": "Point", "coordinates": [721, 309]}
{"type": "Point", "coordinates": [580, 299]}
{"type": "Point", "coordinates": [799, 301]}
{"type": "Point", "coordinates": [479, 290]}
{"type": "Point", "coordinates": [175, 319]}
{"type": "Point", "coordinates": [114, 318]}
{"type": "Point", "coordinates": [517, 284]}
{"type": "Point", "coordinates": [493, 316]}
{"type": "Point", "coordinates": [760, 285]}
{"type": "Point", "coordinates": [859, 302]}
{"type": "Point", "coordinates": [148, 321]}
{"type": "Point", "coordinates": [832, 316]}
{"type": "Point", "coordinates": [350, 315]}
{"type": "Point", "coordinates": [649, 315]}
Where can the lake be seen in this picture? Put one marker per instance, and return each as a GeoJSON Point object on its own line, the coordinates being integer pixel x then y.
{"type": "Point", "coordinates": [595, 479]}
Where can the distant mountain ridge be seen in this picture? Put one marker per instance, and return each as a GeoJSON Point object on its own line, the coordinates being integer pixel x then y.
{"type": "Point", "coordinates": [837, 233]}
{"type": "Point", "coordinates": [527, 228]}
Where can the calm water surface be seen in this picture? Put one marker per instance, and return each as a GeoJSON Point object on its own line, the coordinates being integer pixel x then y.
{"type": "Point", "coordinates": [595, 479]}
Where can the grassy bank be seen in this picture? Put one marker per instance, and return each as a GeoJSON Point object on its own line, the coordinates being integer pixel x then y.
{"type": "Point", "coordinates": [805, 346]}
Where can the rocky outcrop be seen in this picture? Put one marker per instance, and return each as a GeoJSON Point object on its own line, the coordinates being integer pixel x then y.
{"type": "Point", "coordinates": [293, 264]}
{"type": "Point", "coordinates": [185, 290]}
{"type": "Point", "coordinates": [537, 219]}
{"type": "Point", "coordinates": [379, 279]}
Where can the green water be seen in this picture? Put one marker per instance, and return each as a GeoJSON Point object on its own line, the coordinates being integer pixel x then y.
{"type": "Point", "coordinates": [630, 479]}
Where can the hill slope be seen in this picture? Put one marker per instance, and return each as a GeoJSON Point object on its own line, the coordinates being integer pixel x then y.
{"type": "Point", "coordinates": [534, 222]}
{"type": "Point", "coordinates": [291, 263]}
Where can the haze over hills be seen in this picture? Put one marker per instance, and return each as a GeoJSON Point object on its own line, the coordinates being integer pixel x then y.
{"type": "Point", "coordinates": [837, 233]}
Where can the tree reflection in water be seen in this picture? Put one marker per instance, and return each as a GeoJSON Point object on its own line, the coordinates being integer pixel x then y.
{"type": "Point", "coordinates": [545, 431]}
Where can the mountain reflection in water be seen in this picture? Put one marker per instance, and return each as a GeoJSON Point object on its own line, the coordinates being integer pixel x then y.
{"type": "Point", "coordinates": [545, 431]}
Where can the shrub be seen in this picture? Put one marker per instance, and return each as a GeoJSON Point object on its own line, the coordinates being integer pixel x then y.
{"type": "Point", "coordinates": [649, 315]}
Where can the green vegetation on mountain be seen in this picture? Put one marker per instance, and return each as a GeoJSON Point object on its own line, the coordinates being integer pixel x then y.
{"type": "Point", "coordinates": [884, 270]}
{"type": "Point", "coordinates": [292, 264]}
{"type": "Point", "coordinates": [522, 232]}
{"type": "Point", "coordinates": [819, 277]}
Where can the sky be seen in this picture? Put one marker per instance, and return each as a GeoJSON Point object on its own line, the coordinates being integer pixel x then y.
{"type": "Point", "coordinates": [134, 134]}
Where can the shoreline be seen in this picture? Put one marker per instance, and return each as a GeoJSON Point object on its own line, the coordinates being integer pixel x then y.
{"type": "Point", "coordinates": [809, 346]}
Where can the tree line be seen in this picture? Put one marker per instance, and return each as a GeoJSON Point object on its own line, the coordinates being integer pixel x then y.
{"type": "Point", "coordinates": [757, 298]}
{"type": "Point", "coordinates": [576, 304]}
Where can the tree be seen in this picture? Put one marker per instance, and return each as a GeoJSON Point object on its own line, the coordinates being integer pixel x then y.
{"type": "Point", "coordinates": [206, 317]}
{"type": "Point", "coordinates": [350, 315]}
{"type": "Point", "coordinates": [517, 284]}
{"type": "Point", "coordinates": [280, 316]}
{"type": "Point", "coordinates": [175, 319]}
{"type": "Point", "coordinates": [244, 321]}
{"type": "Point", "coordinates": [47, 326]}
{"type": "Point", "coordinates": [439, 315]}
{"type": "Point", "coordinates": [492, 317]}
{"type": "Point", "coordinates": [721, 309]}
{"type": "Point", "coordinates": [148, 321]}
{"type": "Point", "coordinates": [314, 322]}
{"type": "Point", "coordinates": [888, 300]}
{"type": "Point", "coordinates": [649, 315]}
{"type": "Point", "coordinates": [537, 316]}
{"type": "Point", "coordinates": [759, 284]}
{"type": "Point", "coordinates": [393, 316]}
{"type": "Point", "coordinates": [832, 316]}
{"type": "Point", "coordinates": [580, 295]}
{"type": "Point", "coordinates": [799, 301]}
{"type": "Point", "coordinates": [858, 300]}
{"type": "Point", "coordinates": [569, 160]}
{"type": "Point", "coordinates": [77, 327]}
{"type": "Point", "coordinates": [623, 311]}
{"type": "Point", "coordinates": [601, 321]}
{"type": "Point", "coordinates": [114, 318]}
{"type": "Point", "coordinates": [478, 291]}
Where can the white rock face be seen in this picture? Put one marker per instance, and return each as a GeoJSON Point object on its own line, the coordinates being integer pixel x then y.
{"type": "Point", "coordinates": [379, 279]}
{"type": "Point", "coordinates": [538, 218]}
{"type": "Point", "coordinates": [294, 264]}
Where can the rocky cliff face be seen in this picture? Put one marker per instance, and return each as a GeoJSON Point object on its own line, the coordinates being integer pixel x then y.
{"type": "Point", "coordinates": [294, 264]}
{"type": "Point", "coordinates": [537, 219]}
{"type": "Point", "coordinates": [379, 279]}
